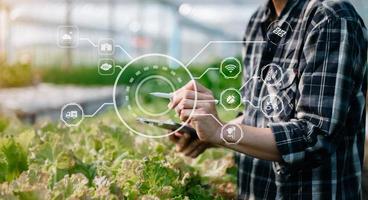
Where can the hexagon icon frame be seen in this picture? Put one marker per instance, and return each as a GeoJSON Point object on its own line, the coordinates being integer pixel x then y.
{"type": "Point", "coordinates": [278, 68]}
{"type": "Point", "coordinates": [222, 66]}
{"type": "Point", "coordinates": [221, 98]}
{"type": "Point", "coordinates": [66, 123]}
{"type": "Point", "coordinates": [232, 143]}
{"type": "Point", "coordinates": [278, 99]}
{"type": "Point", "coordinates": [100, 62]}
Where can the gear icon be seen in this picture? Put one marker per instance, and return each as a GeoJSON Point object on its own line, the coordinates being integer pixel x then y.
{"type": "Point", "coordinates": [230, 99]}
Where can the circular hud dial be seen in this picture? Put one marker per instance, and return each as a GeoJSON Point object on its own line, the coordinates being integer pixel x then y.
{"type": "Point", "coordinates": [147, 74]}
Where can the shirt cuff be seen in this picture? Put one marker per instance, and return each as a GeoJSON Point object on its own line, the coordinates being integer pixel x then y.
{"type": "Point", "coordinates": [290, 142]}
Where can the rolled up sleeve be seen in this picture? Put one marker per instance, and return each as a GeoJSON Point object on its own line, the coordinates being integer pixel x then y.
{"type": "Point", "coordinates": [327, 77]}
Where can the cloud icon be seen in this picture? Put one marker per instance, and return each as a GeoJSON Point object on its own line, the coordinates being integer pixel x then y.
{"type": "Point", "coordinates": [67, 37]}
{"type": "Point", "coordinates": [106, 66]}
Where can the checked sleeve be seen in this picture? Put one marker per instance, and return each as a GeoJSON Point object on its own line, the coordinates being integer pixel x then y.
{"type": "Point", "coordinates": [330, 73]}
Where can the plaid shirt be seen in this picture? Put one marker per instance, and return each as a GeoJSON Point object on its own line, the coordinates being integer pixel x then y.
{"type": "Point", "coordinates": [307, 82]}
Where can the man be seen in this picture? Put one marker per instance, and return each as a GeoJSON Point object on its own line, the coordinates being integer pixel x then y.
{"type": "Point", "coordinates": [313, 148]}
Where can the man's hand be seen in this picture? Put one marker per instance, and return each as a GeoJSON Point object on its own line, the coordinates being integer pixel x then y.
{"type": "Point", "coordinates": [202, 116]}
{"type": "Point", "coordinates": [259, 142]}
{"type": "Point", "coordinates": [187, 145]}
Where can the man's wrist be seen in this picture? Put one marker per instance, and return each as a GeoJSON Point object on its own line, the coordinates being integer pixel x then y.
{"type": "Point", "coordinates": [230, 134]}
{"type": "Point", "coordinates": [217, 140]}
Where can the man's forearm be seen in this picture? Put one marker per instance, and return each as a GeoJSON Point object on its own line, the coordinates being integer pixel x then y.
{"type": "Point", "coordinates": [256, 142]}
{"type": "Point", "coordinates": [237, 120]}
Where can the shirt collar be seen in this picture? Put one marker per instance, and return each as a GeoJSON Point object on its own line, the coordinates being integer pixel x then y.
{"type": "Point", "coordinates": [268, 9]}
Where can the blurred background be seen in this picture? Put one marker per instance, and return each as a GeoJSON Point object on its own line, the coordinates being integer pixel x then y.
{"type": "Point", "coordinates": [177, 28]}
{"type": "Point", "coordinates": [37, 77]}
{"type": "Point", "coordinates": [34, 65]}
{"type": "Point", "coordinates": [30, 55]}
{"type": "Point", "coordinates": [174, 27]}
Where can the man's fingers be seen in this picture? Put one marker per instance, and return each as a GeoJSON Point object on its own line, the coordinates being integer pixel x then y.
{"type": "Point", "coordinates": [185, 114]}
{"type": "Point", "coordinates": [199, 150]}
{"type": "Point", "coordinates": [183, 142]}
{"type": "Point", "coordinates": [173, 138]}
{"type": "Point", "coordinates": [191, 147]}
{"type": "Point", "coordinates": [193, 85]}
{"type": "Point", "coordinates": [191, 114]}
{"type": "Point", "coordinates": [187, 95]}
{"type": "Point", "coordinates": [184, 104]}
{"type": "Point", "coordinates": [179, 95]}
{"type": "Point", "coordinates": [178, 134]}
{"type": "Point", "coordinates": [189, 104]}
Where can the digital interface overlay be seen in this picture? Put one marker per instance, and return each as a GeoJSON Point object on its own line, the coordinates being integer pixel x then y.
{"type": "Point", "coordinates": [160, 73]}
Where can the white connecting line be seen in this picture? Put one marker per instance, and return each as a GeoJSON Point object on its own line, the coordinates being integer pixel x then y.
{"type": "Point", "coordinates": [208, 101]}
{"type": "Point", "coordinates": [221, 42]}
{"type": "Point", "coordinates": [103, 105]}
{"type": "Point", "coordinates": [117, 46]}
{"type": "Point", "coordinates": [120, 67]}
{"type": "Point", "coordinates": [211, 116]}
{"type": "Point", "coordinates": [208, 69]}
{"type": "Point", "coordinates": [253, 77]}
{"type": "Point", "coordinates": [250, 103]}
{"type": "Point", "coordinates": [217, 102]}
{"type": "Point", "coordinates": [245, 100]}
{"type": "Point", "coordinates": [120, 47]}
{"type": "Point", "coordinates": [90, 41]}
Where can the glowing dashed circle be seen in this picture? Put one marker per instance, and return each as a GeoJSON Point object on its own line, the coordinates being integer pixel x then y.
{"type": "Point", "coordinates": [139, 87]}
{"type": "Point", "coordinates": [145, 69]}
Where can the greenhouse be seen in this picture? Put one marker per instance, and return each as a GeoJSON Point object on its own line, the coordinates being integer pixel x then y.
{"type": "Point", "coordinates": [171, 99]}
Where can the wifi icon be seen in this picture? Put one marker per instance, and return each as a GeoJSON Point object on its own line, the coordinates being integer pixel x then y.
{"type": "Point", "coordinates": [230, 68]}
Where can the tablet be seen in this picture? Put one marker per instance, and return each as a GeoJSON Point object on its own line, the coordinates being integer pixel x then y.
{"type": "Point", "coordinates": [169, 125]}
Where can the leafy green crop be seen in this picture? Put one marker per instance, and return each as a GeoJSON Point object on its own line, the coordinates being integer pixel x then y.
{"type": "Point", "coordinates": [16, 76]}
{"type": "Point", "coordinates": [102, 160]}
{"type": "Point", "coordinates": [13, 155]}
